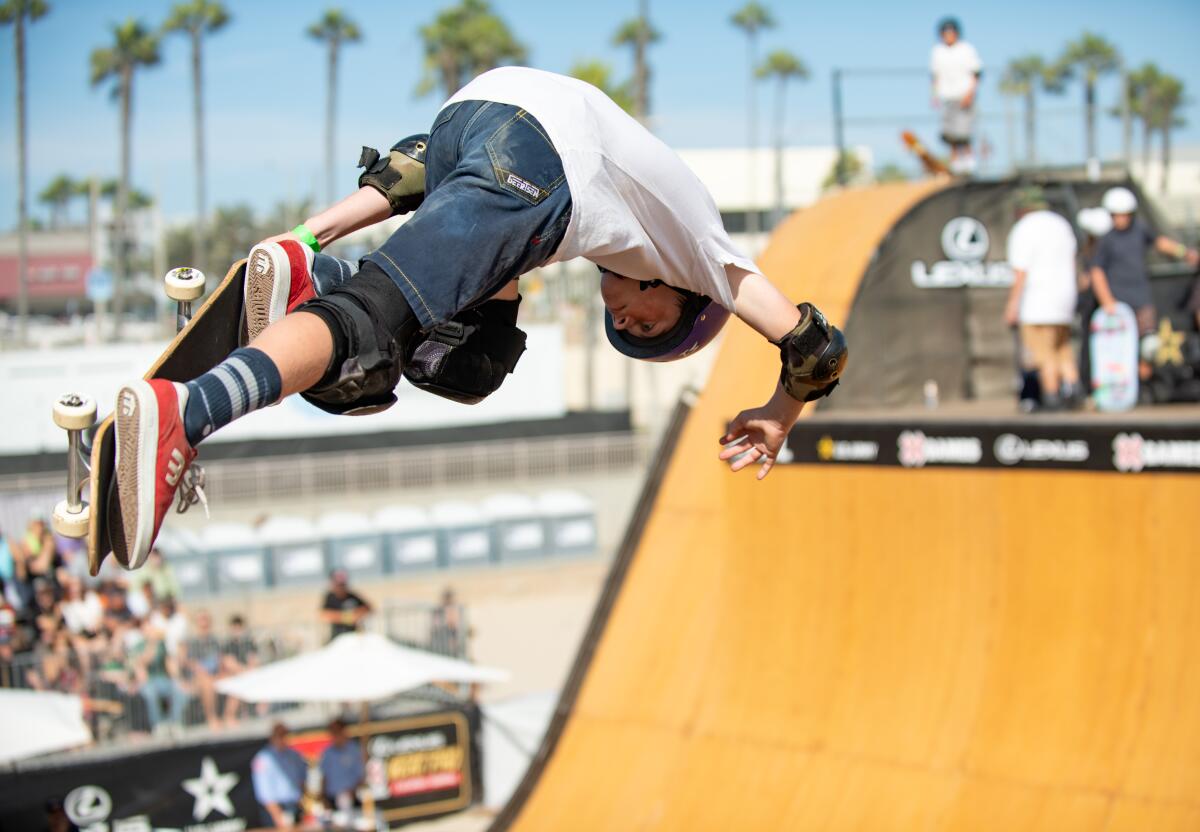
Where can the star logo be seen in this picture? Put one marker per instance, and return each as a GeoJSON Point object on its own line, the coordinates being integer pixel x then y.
{"type": "Point", "coordinates": [211, 790]}
{"type": "Point", "coordinates": [1170, 345]}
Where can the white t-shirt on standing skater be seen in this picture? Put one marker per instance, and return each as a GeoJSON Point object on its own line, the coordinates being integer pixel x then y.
{"type": "Point", "coordinates": [1042, 244]}
{"type": "Point", "coordinates": [954, 69]}
{"type": "Point", "coordinates": [636, 207]}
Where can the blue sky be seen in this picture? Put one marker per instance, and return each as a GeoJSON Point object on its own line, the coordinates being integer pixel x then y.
{"type": "Point", "coordinates": [266, 81]}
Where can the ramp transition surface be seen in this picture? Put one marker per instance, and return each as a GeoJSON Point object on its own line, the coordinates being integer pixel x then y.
{"type": "Point", "coordinates": [871, 648]}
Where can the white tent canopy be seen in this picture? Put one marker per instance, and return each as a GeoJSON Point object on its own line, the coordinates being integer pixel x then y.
{"type": "Point", "coordinates": [36, 722]}
{"type": "Point", "coordinates": [354, 667]}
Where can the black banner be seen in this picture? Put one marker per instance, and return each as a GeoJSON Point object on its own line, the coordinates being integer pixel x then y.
{"type": "Point", "coordinates": [1126, 449]}
{"type": "Point", "coordinates": [417, 767]}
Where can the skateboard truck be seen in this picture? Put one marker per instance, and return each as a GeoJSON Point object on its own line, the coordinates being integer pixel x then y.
{"type": "Point", "coordinates": [184, 285]}
{"type": "Point", "coordinates": [74, 413]}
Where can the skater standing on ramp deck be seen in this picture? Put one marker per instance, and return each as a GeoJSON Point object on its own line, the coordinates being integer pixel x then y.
{"type": "Point", "coordinates": [955, 67]}
{"type": "Point", "coordinates": [521, 168]}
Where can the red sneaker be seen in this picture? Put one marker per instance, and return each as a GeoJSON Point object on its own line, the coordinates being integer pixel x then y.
{"type": "Point", "coordinates": [153, 455]}
{"type": "Point", "coordinates": [278, 279]}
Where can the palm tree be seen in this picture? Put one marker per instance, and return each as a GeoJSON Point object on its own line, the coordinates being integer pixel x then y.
{"type": "Point", "coordinates": [333, 29]}
{"type": "Point", "coordinates": [196, 18]}
{"type": "Point", "coordinates": [134, 46]}
{"type": "Point", "coordinates": [1143, 85]}
{"type": "Point", "coordinates": [752, 18]}
{"type": "Point", "coordinates": [599, 75]}
{"type": "Point", "coordinates": [58, 195]}
{"type": "Point", "coordinates": [1091, 56]}
{"type": "Point", "coordinates": [463, 41]}
{"type": "Point", "coordinates": [16, 12]}
{"type": "Point", "coordinates": [782, 66]}
{"type": "Point", "coordinates": [639, 33]}
{"type": "Point", "coordinates": [1020, 79]}
{"type": "Point", "coordinates": [1166, 99]}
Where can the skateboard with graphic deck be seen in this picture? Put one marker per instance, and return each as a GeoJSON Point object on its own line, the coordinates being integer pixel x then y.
{"type": "Point", "coordinates": [1114, 355]}
{"type": "Point", "coordinates": [201, 342]}
{"type": "Point", "coordinates": [932, 164]}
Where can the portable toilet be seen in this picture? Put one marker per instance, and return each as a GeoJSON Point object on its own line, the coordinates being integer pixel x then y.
{"type": "Point", "coordinates": [184, 551]}
{"type": "Point", "coordinates": [464, 532]}
{"type": "Point", "coordinates": [570, 519]}
{"type": "Point", "coordinates": [409, 537]}
{"type": "Point", "coordinates": [296, 550]}
{"type": "Point", "coordinates": [354, 542]}
{"type": "Point", "coordinates": [518, 532]}
{"type": "Point", "coordinates": [236, 556]}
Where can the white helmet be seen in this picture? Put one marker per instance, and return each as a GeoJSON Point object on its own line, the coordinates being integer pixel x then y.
{"type": "Point", "coordinates": [1119, 201]}
{"type": "Point", "coordinates": [1094, 221]}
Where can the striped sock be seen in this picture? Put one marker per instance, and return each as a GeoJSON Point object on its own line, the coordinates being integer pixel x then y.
{"type": "Point", "coordinates": [244, 382]}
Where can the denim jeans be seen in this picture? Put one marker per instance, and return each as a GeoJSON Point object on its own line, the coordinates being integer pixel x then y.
{"type": "Point", "coordinates": [496, 205]}
{"type": "Point", "coordinates": [153, 691]}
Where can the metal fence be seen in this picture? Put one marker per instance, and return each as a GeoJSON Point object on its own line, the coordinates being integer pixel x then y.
{"type": "Point", "coordinates": [120, 703]}
{"type": "Point", "coordinates": [345, 472]}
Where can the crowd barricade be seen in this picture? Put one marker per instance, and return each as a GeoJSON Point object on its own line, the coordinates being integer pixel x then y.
{"type": "Point", "coordinates": [294, 551]}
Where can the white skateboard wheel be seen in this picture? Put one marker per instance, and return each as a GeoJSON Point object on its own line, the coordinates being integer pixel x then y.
{"type": "Point", "coordinates": [184, 283]}
{"type": "Point", "coordinates": [70, 523]}
{"type": "Point", "coordinates": [75, 411]}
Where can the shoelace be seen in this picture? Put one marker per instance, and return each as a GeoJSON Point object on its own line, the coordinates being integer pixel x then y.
{"type": "Point", "coordinates": [191, 490]}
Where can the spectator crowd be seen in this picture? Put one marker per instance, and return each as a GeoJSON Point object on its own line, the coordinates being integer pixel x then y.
{"type": "Point", "coordinates": [121, 640]}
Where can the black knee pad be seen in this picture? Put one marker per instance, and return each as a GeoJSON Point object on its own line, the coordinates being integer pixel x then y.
{"type": "Point", "coordinates": [372, 325]}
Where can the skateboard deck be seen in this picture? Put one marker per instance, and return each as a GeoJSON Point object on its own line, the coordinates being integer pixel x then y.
{"type": "Point", "coordinates": [1114, 357]}
{"type": "Point", "coordinates": [204, 342]}
{"type": "Point", "coordinates": [931, 163]}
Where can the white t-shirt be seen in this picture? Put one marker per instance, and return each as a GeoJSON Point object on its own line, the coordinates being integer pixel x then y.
{"type": "Point", "coordinates": [1042, 244]}
{"type": "Point", "coordinates": [954, 68]}
{"type": "Point", "coordinates": [636, 208]}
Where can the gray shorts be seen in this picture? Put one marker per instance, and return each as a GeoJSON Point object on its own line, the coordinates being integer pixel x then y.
{"type": "Point", "coordinates": [958, 122]}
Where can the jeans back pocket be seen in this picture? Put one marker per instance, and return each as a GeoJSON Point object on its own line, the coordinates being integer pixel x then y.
{"type": "Point", "coordinates": [524, 160]}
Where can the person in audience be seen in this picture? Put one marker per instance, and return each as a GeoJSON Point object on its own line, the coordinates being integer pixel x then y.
{"type": "Point", "coordinates": [445, 634]}
{"type": "Point", "coordinates": [201, 658]}
{"type": "Point", "coordinates": [342, 609]}
{"type": "Point", "coordinates": [159, 679]}
{"type": "Point", "coordinates": [37, 553]}
{"type": "Point", "coordinates": [171, 622]}
{"type": "Point", "coordinates": [342, 770]}
{"type": "Point", "coordinates": [238, 654]}
{"type": "Point", "coordinates": [140, 600]}
{"type": "Point", "coordinates": [278, 773]}
{"type": "Point", "coordinates": [159, 574]}
{"type": "Point", "coordinates": [81, 609]}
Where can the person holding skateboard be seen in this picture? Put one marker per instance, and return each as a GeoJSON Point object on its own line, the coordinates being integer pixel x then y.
{"type": "Point", "coordinates": [521, 168]}
{"type": "Point", "coordinates": [955, 68]}
{"type": "Point", "coordinates": [1119, 273]}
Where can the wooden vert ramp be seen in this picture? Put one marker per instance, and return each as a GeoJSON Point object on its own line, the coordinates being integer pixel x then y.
{"type": "Point", "coordinates": [874, 648]}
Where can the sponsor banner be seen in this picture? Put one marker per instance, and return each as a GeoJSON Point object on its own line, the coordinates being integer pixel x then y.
{"type": "Point", "coordinates": [1067, 446]}
{"type": "Point", "coordinates": [416, 767]}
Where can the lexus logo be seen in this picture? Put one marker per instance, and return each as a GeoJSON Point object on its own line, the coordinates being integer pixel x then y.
{"type": "Point", "coordinates": [965, 238]}
{"type": "Point", "coordinates": [87, 805]}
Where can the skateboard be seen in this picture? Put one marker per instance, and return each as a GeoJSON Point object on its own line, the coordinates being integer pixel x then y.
{"type": "Point", "coordinates": [1114, 356]}
{"type": "Point", "coordinates": [931, 163]}
{"type": "Point", "coordinates": [201, 342]}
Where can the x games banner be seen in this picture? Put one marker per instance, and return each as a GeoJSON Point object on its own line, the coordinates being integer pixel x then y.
{"type": "Point", "coordinates": [1122, 449]}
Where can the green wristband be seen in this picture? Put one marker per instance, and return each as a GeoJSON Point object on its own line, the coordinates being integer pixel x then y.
{"type": "Point", "coordinates": [307, 237]}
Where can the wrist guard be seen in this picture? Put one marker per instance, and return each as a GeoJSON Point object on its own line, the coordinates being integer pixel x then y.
{"type": "Point", "coordinates": [813, 356]}
{"type": "Point", "coordinates": [400, 175]}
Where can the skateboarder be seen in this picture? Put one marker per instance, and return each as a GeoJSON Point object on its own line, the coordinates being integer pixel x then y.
{"type": "Point", "coordinates": [521, 168]}
{"type": "Point", "coordinates": [955, 67]}
{"type": "Point", "coordinates": [1119, 263]}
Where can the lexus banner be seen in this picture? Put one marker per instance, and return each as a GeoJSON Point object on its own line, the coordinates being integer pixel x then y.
{"type": "Point", "coordinates": [416, 767]}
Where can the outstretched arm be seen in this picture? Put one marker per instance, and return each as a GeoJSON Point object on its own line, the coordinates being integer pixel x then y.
{"type": "Point", "coordinates": [364, 207]}
{"type": "Point", "coordinates": [756, 435]}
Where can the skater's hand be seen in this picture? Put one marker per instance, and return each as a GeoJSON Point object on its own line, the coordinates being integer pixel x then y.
{"type": "Point", "coordinates": [967, 100]}
{"type": "Point", "coordinates": [759, 433]}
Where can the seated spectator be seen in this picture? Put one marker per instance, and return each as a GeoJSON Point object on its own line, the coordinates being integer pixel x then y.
{"type": "Point", "coordinates": [169, 621]}
{"type": "Point", "coordinates": [55, 670]}
{"type": "Point", "coordinates": [342, 609]}
{"type": "Point", "coordinates": [141, 601]}
{"type": "Point", "coordinates": [159, 679]}
{"type": "Point", "coordinates": [116, 605]}
{"type": "Point", "coordinates": [37, 553]}
{"type": "Point", "coordinates": [11, 643]}
{"type": "Point", "coordinates": [81, 609]}
{"type": "Point", "coordinates": [342, 770]}
{"type": "Point", "coordinates": [201, 658]}
{"type": "Point", "coordinates": [278, 774]}
{"type": "Point", "coordinates": [239, 654]}
{"type": "Point", "coordinates": [159, 574]}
